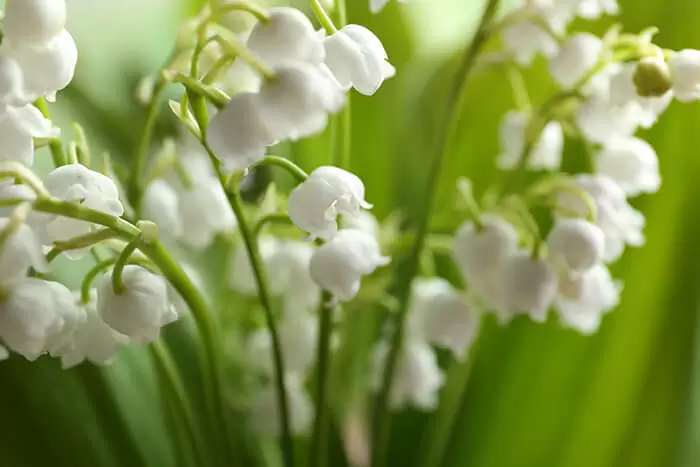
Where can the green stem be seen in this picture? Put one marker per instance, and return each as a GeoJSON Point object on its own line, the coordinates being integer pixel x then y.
{"type": "Point", "coordinates": [323, 17]}
{"type": "Point", "coordinates": [90, 277]}
{"type": "Point", "coordinates": [118, 285]}
{"type": "Point", "coordinates": [382, 420]}
{"type": "Point", "coordinates": [232, 46]}
{"type": "Point", "coordinates": [9, 202]}
{"type": "Point", "coordinates": [273, 218]}
{"type": "Point", "coordinates": [84, 241]}
{"type": "Point", "coordinates": [318, 456]}
{"type": "Point", "coordinates": [213, 95]}
{"type": "Point", "coordinates": [251, 245]}
{"type": "Point", "coordinates": [23, 174]}
{"type": "Point", "coordinates": [293, 169]}
{"type": "Point", "coordinates": [57, 153]}
{"type": "Point", "coordinates": [137, 179]}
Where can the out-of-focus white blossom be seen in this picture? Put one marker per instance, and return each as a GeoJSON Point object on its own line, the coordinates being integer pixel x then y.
{"type": "Point", "coordinates": [264, 409]}
{"type": "Point", "coordinates": [576, 244]}
{"type": "Point", "coordinates": [623, 94]}
{"type": "Point", "coordinates": [577, 57]}
{"type": "Point", "coordinates": [18, 128]}
{"type": "Point", "coordinates": [33, 21]}
{"type": "Point", "coordinates": [632, 163]}
{"type": "Point", "coordinates": [20, 251]}
{"type": "Point", "coordinates": [161, 205]}
{"type": "Point", "coordinates": [526, 39]}
{"type": "Point", "coordinates": [528, 286]}
{"type": "Point", "coordinates": [205, 213]}
{"type": "Point", "coordinates": [364, 221]}
{"type": "Point", "coordinates": [685, 74]}
{"type": "Point", "coordinates": [375, 6]}
{"type": "Point", "coordinates": [11, 190]}
{"type": "Point", "coordinates": [546, 153]}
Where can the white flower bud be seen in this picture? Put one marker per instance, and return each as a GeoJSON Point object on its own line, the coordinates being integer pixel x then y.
{"type": "Point", "coordinates": [33, 21]}
{"type": "Point", "coordinates": [632, 163]}
{"type": "Point", "coordinates": [34, 316]}
{"type": "Point", "coordinates": [314, 205]}
{"type": "Point", "coordinates": [583, 300]}
{"type": "Point", "coordinates": [93, 340]}
{"type": "Point", "coordinates": [685, 75]}
{"type": "Point", "coordinates": [417, 379]}
{"type": "Point", "coordinates": [357, 58]}
{"type": "Point", "coordinates": [621, 224]}
{"type": "Point", "coordinates": [205, 213]}
{"type": "Point", "coordinates": [264, 408]}
{"type": "Point", "coordinates": [339, 265]}
{"type": "Point", "coordinates": [18, 128]}
{"type": "Point", "coordinates": [547, 152]}
{"type": "Point", "coordinates": [288, 35]}
{"type": "Point", "coordinates": [20, 251]}
{"type": "Point", "coordinates": [528, 286]}
{"type": "Point", "coordinates": [440, 315]}
{"type": "Point", "coordinates": [576, 244]}
{"type": "Point", "coordinates": [480, 254]}
{"type": "Point", "coordinates": [141, 310]}
{"type": "Point", "coordinates": [238, 134]}
{"type": "Point", "coordinates": [577, 57]}
{"type": "Point", "coordinates": [161, 206]}
{"type": "Point", "coordinates": [49, 68]}
{"type": "Point", "coordinates": [296, 103]}
{"type": "Point", "coordinates": [526, 39]}
{"type": "Point", "coordinates": [78, 184]}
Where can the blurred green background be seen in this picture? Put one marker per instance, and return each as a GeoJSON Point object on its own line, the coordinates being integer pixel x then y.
{"type": "Point", "coordinates": [538, 395]}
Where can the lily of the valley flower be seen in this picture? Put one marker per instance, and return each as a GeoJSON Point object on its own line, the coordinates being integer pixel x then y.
{"type": "Point", "coordinates": [632, 163]}
{"type": "Point", "coordinates": [576, 244]}
{"type": "Point", "coordinates": [18, 128]}
{"type": "Point", "coordinates": [205, 213]}
{"type": "Point", "coordinates": [575, 59]}
{"type": "Point", "coordinates": [546, 153]}
{"type": "Point", "coordinates": [264, 410]}
{"type": "Point", "coordinates": [161, 206]}
{"type": "Point", "coordinates": [529, 286]}
{"type": "Point", "coordinates": [685, 75]}
{"type": "Point", "coordinates": [20, 251]}
{"type": "Point", "coordinates": [375, 6]}
{"type": "Point", "coordinates": [33, 21]}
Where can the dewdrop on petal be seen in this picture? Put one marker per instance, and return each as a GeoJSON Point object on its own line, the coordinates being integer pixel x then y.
{"type": "Point", "coordinates": [141, 310]}
{"type": "Point", "coordinates": [528, 285]}
{"type": "Point", "coordinates": [264, 409]}
{"type": "Point", "coordinates": [296, 103]}
{"type": "Point", "coordinates": [161, 206]}
{"type": "Point", "coordinates": [287, 35]}
{"type": "Point", "coordinates": [632, 163]}
{"type": "Point", "coordinates": [440, 315]}
{"type": "Point", "coordinates": [238, 134]}
{"type": "Point", "coordinates": [357, 58]}
{"type": "Point", "coordinates": [33, 21]}
{"type": "Point", "coordinates": [576, 244]}
{"type": "Point", "coordinates": [20, 251]}
{"type": "Point", "coordinates": [579, 55]}
{"type": "Point", "coordinates": [339, 265]}
{"type": "Point", "coordinates": [417, 379]}
{"type": "Point", "coordinates": [685, 74]}
{"type": "Point", "coordinates": [18, 128]}
{"type": "Point", "coordinates": [205, 213]}
{"type": "Point", "coordinates": [582, 301]}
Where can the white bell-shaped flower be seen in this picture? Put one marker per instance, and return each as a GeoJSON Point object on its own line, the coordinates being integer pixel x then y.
{"type": "Point", "coordinates": [583, 300]}
{"type": "Point", "coordinates": [11, 82]}
{"type": "Point", "coordinates": [576, 244]}
{"type": "Point", "coordinates": [49, 68]}
{"type": "Point", "coordinates": [287, 35]}
{"type": "Point", "coordinates": [480, 254]}
{"type": "Point", "coordinates": [363, 221]}
{"type": "Point", "coordinates": [18, 128]}
{"type": "Point", "coordinates": [632, 163]}
{"type": "Point", "coordinates": [20, 251]}
{"type": "Point", "coordinates": [10, 190]}
{"type": "Point", "coordinates": [293, 259]}
{"type": "Point", "coordinates": [578, 56]}
{"type": "Point", "coordinates": [526, 39]}
{"type": "Point", "coordinates": [623, 94]}
{"type": "Point", "coordinates": [35, 316]}
{"type": "Point", "coordinates": [264, 409]}
{"type": "Point", "coordinates": [238, 134]}
{"type": "Point", "coordinates": [685, 74]}
{"type": "Point", "coordinates": [440, 315]}
{"type": "Point", "coordinates": [594, 9]}
{"type": "Point", "coordinates": [417, 378]}
{"type": "Point", "coordinates": [314, 205]}
{"type": "Point", "coordinates": [205, 212]}
{"type": "Point", "coordinates": [621, 223]}
{"type": "Point", "coordinates": [94, 340]}
{"type": "Point", "coordinates": [161, 205]}
{"type": "Point", "coordinates": [357, 58]}
{"type": "Point", "coordinates": [78, 184]}
{"type": "Point", "coordinates": [528, 285]}
{"type": "Point", "coordinates": [297, 102]}
{"type": "Point", "coordinates": [33, 21]}
{"type": "Point", "coordinates": [141, 310]}
{"type": "Point", "coordinates": [339, 265]}
{"type": "Point", "coordinates": [70, 318]}
{"type": "Point", "coordinates": [601, 122]}
{"type": "Point", "coordinates": [546, 153]}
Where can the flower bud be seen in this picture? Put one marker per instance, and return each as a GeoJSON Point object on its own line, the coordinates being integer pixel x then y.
{"type": "Point", "coordinates": [685, 75]}
{"type": "Point", "coordinates": [652, 77]}
{"type": "Point", "coordinates": [33, 21]}
{"type": "Point", "coordinates": [576, 244]}
{"type": "Point", "coordinates": [141, 310]}
{"type": "Point", "coordinates": [528, 286]}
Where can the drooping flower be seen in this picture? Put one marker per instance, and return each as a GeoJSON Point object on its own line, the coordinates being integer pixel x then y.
{"type": "Point", "coordinates": [18, 128]}
{"type": "Point", "coordinates": [583, 300]}
{"type": "Point", "coordinates": [578, 56]}
{"type": "Point", "coordinates": [632, 163]}
{"type": "Point", "coordinates": [141, 310]}
{"type": "Point", "coordinates": [623, 93]}
{"type": "Point", "coordinates": [33, 21]}
{"type": "Point", "coordinates": [417, 379]}
{"type": "Point", "coordinates": [442, 316]}
{"type": "Point", "coordinates": [161, 205]}
{"type": "Point", "coordinates": [264, 409]}
{"type": "Point", "coordinates": [546, 153]}
{"type": "Point", "coordinates": [363, 221]}
{"type": "Point", "coordinates": [11, 83]}
{"type": "Point", "coordinates": [357, 58]}
{"type": "Point", "coordinates": [576, 244]}
{"type": "Point", "coordinates": [526, 39]}
{"type": "Point", "coordinates": [685, 74]}
{"type": "Point", "coordinates": [238, 134]}
{"type": "Point", "coordinates": [339, 265]}
{"type": "Point", "coordinates": [315, 204]}
{"type": "Point", "coordinates": [205, 213]}
{"type": "Point", "coordinates": [528, 286]}
{"type": "Point", "coordinates": [286, 36]}
{"type": "Point", "coordinates": [20, 251]}
{"type": "Point", "coordinates": [297, 102]}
